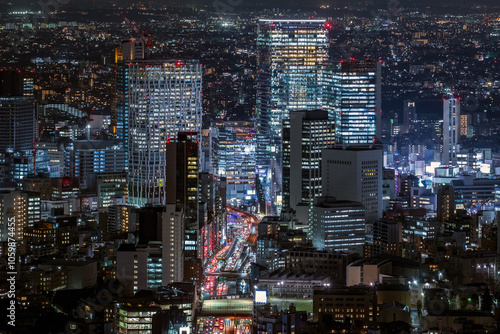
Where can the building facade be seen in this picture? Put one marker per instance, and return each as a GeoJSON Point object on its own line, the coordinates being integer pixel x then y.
{"type": "Point", "coordinates": [305, 134]}
{"type": "Point", "coordinates": [352, 96]}
{"type": "Point", "coordinates": [451, 130]}
{"type": "Point", "coordinates": [355, 174]}
{"type": "Point", "coordinates": [164, 99]}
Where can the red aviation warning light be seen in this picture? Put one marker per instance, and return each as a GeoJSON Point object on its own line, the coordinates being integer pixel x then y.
{"type": "Point", "coordinates": [328, 25]}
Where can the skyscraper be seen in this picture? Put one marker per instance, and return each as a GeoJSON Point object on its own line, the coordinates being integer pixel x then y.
{"type": "Point", "coordinates": [409, 115]}
{"type": "Point", "coordinates": [451, 130]}
{"type": "Point", "coordinates": [182, 183]}
{"type": "Point", "coordinates": [126, 52]}
{"type": "Point", "coordinates": [305, 134]}
{"type": "Point", "coordinates": [352, 96]}
{"type": "Point", "coordinates": [164, 99]}
{"type": "Point", "coordinates": [289, 58]}
{"type": "Point", "coordinates": [234, 159]}
{"type": "Point", "coordinates": [17, 113]}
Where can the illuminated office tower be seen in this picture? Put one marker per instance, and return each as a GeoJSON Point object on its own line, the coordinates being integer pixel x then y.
{"type": "Point", "coordinates": [127, 51]}
{"type": "Point", "coordinates": [18, 210]}
{"type": "Point", "coordinates": [352, 96]}
{"type": "Point", "coordinates": [17, 112]}
{"type": "Point", "coordinates": [305, 134]}
{"type": "Point", "coordinates": [164, 99]}
{"type": "Point", "coordinates": [451, 130]}
{"type": "Point", "coordinates": [337, 225]}
{"type": "Point", "coordinates": [234, 159]}
{"type": "Point", "coordinates": [289, 58]}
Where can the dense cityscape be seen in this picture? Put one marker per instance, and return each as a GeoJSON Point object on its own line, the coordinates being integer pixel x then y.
{"type": "Point", "coordinates": [233, 167]}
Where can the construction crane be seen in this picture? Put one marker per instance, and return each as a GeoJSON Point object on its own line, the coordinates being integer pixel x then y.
{"type": "Point", "coordinates": [145, 36]}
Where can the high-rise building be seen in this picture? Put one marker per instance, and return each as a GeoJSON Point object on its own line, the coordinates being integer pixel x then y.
{"type": "Point", "coordinates": [17, 112]}
{"type": "Point", "coordinates": [182, 175]}
{"type": "Point", "coordinates": [352, 96]}
{"type": "Point", "coordinates": [234, 159]}
{"type": "Point", "coordinates": [164, 99]}
{"type": "Point", "coordinates": [18, 210]}
{"type": "Point", "coordinates": [121, 218]}
{"type": "Point", "coordinates": [305, 135]}
{"type": "Point", "coordinates": [289, 58]}
{"type": "Point", "coordinates": [85, 158]}
{"type": "Point", "coordinates": [355, 174]}
{"type": "Point", "coordinates": [127, 51]}
{"type": "Point", "coordinates": [451, 130]}
{"type": "Point", "coordinates": [172, 236]}
{"type": "Point", "coordinates": [111, 189]}
{"type": "Point", "coordinates": [409, 115]}
{"type": "Point", "coordinates": [337, 225]}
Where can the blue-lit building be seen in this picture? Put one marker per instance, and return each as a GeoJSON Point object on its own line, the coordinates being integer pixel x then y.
{"type": "Point", "coordinates": [127, 51]}
{"type": "Point", "coordinates": [289, 58]}
{"type": "Point", "coordinates": [337, 225]}
{"type": "Point", "coordinates": [352, 96]}
{"type": "Point", "coordinates": [164, 99]}
{"type": "Point", "coordinates": [234, 159]}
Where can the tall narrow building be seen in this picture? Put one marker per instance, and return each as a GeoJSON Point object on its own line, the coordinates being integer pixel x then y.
{"type": "Point", "coordinates": [182, 177]}
{"type": "Point", "coordinates": [451, 130]}
{"type": "Point", "coordinates": [164, 99]}
{"type": "Point", "coordinates": [305, 135]}
{"type": "Point", "coordinates": [124, 53]}
{"type": "Point", "coordinates": [289, 58]}
{"type": "Point", "coordinates": [352, 96]}
{"type": "Point", "coordinates": [409, 116]}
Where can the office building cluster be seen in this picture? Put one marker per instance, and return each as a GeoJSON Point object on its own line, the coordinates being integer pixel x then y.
{"type": "Point", "coordinates": [250, 170]}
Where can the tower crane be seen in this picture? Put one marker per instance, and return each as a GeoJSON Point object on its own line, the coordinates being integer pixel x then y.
{"type": "Point", "coordinates": [144, 35]}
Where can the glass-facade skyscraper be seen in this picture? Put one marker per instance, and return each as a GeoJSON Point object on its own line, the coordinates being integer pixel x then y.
{"type": "Point", "coordinates": [289, 58]}
{"type": "Point", "coordinates": [351, 93]}
{"type": "Point", "coordinates": [164, 99]}
{"type": "Point", "coordinates": [234, 159]}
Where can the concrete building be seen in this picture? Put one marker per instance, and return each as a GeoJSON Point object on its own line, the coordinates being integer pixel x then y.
{"type": "Point", "coordinates": [311, 260]}
{"type": "Point", "coordinates": [355, 303]}
{"type": "Point", "coordinates": [172, 236]}
{"type": "Point", "coordinates": [285, 283]}
{"type": "Point", "coordinates": [111, 189]}
{"type": "Point", "coordinates": [355, 174]}
{"type": "Point", "coordinates": [18, 209]}
{"type": "Point", "coordinates": [122, 218]}
{"type": "Point", "coordinates": [337, 225]}
{"type": "Point", "coordinates": [387, 237]}
{"type": "Point", "coordinates": [371, 271]}
{"type": "Point", "coordinates": [84, 159]}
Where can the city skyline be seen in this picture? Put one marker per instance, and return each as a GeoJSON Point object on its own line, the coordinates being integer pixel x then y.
{"type": "Point", "coordinates": [250, 168]}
